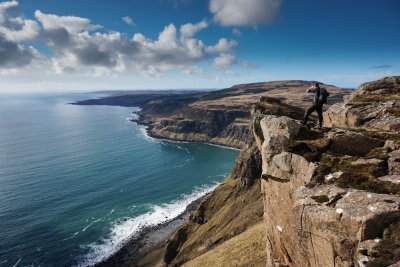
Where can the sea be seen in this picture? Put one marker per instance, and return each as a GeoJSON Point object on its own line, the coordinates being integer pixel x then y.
{"type": "Point", "coordinates": [77, 182]}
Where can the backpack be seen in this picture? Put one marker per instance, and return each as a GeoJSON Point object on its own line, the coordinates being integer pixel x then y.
{"type": "Point", "coordinates": [323, 98]}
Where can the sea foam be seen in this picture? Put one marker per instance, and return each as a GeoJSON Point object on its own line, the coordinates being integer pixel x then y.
{"type": "Point", "coordinates": [122, 232]}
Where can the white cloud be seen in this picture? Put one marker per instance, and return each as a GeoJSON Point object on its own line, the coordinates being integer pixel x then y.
{"type": "Point", "coordinates": [71, 23]}
{"type": "Point", "coordinates": [244, 12]}
{"type": "Point", "coordinates": [78, 45]}
{"type": "Point", "coordinates": [128, 20]}
{"type": "Point", "coordinates": [189, 29]}
{"type": "Point", "coordinates": [13, 55]}
{"type": "Point", "coordinates": [13, 32]}
{"type": "Point", "coordinates": [222, 46]}
{"type": "Point", "coordinates": [16, 29]}
{"type": "Point", "coordinates": [224, 60]}
{"type": "Point", "coordinates": [4, 7]}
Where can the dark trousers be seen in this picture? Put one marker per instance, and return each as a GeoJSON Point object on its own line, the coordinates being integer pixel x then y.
{"type": "Point", "coordinates": [311, 109]}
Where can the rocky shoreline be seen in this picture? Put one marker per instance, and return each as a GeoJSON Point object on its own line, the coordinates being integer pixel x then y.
{"type": "Point", "coordinates": [148, 126]}
{"type": "Point", "coordinates": [148, 239]}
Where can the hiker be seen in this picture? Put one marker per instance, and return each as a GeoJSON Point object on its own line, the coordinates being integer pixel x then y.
{"type": "Point", "coordinates": [320, 98]}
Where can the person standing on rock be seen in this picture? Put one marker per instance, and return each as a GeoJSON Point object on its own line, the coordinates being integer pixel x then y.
{"type": "Point", "coordinates": [320, 98]}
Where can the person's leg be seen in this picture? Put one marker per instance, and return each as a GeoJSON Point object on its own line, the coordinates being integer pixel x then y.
{"type": "Point", "coordinates": [309, 110]}
{"type": "Point", "coordinates": [320, 116]}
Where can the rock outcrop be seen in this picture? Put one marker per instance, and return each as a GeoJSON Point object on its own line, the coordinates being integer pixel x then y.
{"type": "Point", "coordinates": [331, 198]}
{"type": "Point", "coordinates": [214, 126]}
{"type": "Point", "coordinates": [373, 106]}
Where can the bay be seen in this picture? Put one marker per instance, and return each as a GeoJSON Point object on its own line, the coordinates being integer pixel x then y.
{"type": "Point", "coordinates": [77, 181]}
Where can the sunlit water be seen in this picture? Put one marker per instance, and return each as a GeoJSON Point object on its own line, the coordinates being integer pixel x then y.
{"type": "Point", "coordinates": [77, 181]}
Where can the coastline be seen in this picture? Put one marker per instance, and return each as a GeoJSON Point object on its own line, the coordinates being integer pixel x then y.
{"type": "Point", "coordinates": [148, 239]}
{"type": "Point", "coordinates": [153, 239]}
{"type": "Point", "coordinates": [142, 122]}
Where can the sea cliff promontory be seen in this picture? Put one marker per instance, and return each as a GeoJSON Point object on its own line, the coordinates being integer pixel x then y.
{"type": "Point", "coordinates": [297, 195]}
{"type": "Point", "coordinates": [330, 196]}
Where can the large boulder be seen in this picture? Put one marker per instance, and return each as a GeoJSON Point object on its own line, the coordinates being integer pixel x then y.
{"type": "Point", "coordinates": [373, 106]}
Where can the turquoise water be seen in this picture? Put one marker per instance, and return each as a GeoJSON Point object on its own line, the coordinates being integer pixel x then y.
{"type": "Point", "coordinates": [77, 181]}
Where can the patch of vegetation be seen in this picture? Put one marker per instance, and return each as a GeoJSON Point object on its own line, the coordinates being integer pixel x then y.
{"type": "Point", "coordinates": [321, 199]}
{"type": "Point", "coordinates": [311, 149]}
{"type": "Point", "coordinates": [214, 95]}
{"type": "Point", "coordinates": [389, 247]}
{"type": "Point", "coordinates": [255, 90]}
{"type": "Point", "coordinates": [257, 127]}
{"type": "Point", "coordinates": [378, 153]}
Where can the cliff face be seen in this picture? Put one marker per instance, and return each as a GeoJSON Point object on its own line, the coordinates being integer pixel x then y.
{"type": "Point", "coordinates": [331, 198]}
{"type": "Point", "coordinates": [193, 124]}
{"type": "Point", "coordinates": [222, 117]}
{"type": "Point", "coordinates": [229, 214]}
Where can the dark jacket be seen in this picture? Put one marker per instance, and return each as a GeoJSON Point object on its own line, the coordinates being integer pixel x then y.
{"type": "Point", "coordinates": [317, 94]}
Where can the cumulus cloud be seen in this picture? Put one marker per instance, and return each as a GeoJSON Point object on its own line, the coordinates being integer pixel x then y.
{"type": "Point", "coordinates": [4, 7]}
{"type": "Point", "coordinates": [71, 23]}
{"type": "Point", "coordinates": [13, 55]}
{"type": "Point", "coordinates": [16, 29]}
{"type": "Point", "coordinates": [189, 29]}
{"type": "Point", "coordinates": [78, 44]}
{"type": "Point", "coordinates": [244, 12]}
{"type": "Point", "coordinates": [223, 45]}
{"type": "Point", "coordinates": [128, 20]}
{"type": "Point", "coordinates": [224, 61]}
{"type": "Point", "coordinates": [13, 32]}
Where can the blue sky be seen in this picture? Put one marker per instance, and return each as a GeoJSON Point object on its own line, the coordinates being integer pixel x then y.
{"type": "Point", "coordinates": [48, 45]}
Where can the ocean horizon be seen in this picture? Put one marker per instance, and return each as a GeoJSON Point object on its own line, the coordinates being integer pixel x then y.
{"type": "Point", "coordinates": [77, 182]}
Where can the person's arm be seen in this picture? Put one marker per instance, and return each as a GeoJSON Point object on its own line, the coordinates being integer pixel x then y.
{"type": "Point", "coordinates": [311, 90]}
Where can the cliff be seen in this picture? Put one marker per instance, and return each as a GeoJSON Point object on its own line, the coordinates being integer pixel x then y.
{"type": "Point", "coordinates": [328, 197]}
{"type": "Point", "coordinates": [227, 221]}
{"type": "Point", "coordinates": [223, 117]}
{"type": "Point", "coordinates": [331, 198]}
{"type": "Point", "coordinates": [219, 117]}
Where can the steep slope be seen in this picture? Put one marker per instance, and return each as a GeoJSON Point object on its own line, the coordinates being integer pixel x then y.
{"type": "Point", "coordinates": [331, 198]}
{"type": "Point", "coordinates": [243, 250]}
{"type": "Point", "coordinates": [232, 208]}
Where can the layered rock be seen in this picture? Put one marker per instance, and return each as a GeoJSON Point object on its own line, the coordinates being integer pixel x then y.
{"type": "Point", "coordinates": [223, 117]}
{"type": "Point", "coordinates": [373, 106]}
{"type": "Point", "coordinates": [331, 198]}
{"type": "Point", "coordinates": [311, 222]}
{"type": "Point", "coordinates": [215, 126]}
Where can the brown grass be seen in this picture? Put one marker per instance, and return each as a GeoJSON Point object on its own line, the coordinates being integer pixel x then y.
{"type": "Point", "coordinates": [228, 211]}
{"type": "Point", "coordinates": [243, 250]}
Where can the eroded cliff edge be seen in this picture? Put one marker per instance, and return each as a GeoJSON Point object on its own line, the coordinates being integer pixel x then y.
{"type": "Point", "coordinates": [328, 197]}
{"type": "Point", "coordinates": [331, 198]}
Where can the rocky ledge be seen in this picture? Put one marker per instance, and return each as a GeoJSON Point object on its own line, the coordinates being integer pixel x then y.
{"type": "Point", "coordinates": [331, 197]}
